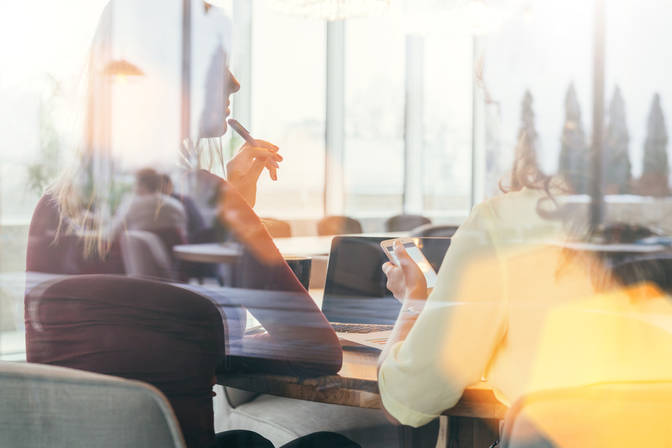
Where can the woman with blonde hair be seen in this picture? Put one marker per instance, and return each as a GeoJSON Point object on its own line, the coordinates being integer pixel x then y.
{"type": "Point", "coordinates": [130, 125]}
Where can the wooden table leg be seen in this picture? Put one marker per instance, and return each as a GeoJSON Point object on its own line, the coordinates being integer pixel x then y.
{"type": "Point", "coordinates": [466, 432]}
{"type": "Point", "coordinates": [461, 432]}
{"type": "Point", "coordinates": [424, 436]}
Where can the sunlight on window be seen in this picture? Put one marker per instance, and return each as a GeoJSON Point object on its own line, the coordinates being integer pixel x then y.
{"type": "Point", "coordinates": [288, 104]}
{"type": "Point", "coordinates": [374, 116]}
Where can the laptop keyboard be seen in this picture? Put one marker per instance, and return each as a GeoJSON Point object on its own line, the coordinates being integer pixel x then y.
{"type": "Point", "coordinates": [359, 328]}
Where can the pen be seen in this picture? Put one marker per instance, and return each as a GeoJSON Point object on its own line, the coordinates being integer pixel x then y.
{"type": "Point", "coordinates": [240, 130]}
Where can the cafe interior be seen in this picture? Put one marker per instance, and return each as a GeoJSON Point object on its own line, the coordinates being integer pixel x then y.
{"type": "Point", "coordinates": [335, 223]}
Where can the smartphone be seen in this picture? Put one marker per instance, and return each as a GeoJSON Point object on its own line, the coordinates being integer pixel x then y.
{"type": "Point", "coordinates": [413, 247]}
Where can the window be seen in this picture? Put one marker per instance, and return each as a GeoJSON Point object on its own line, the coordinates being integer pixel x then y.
{"type": "Point", "coordinates": [374, 118]}
{"type": "Point", "coordinates": [288, 109]}
{"type": "Point", "coordinates": [533, 52]}
{"type": "Point", "coordinates": [38, 80]}
{"type": "Point", "coordinates": [43, 56]}
{"type": "Point", "coordinates": [447, 142]}
{"type": "Point", "coordinates": [637, 72]}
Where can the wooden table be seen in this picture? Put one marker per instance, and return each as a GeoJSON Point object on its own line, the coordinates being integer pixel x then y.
{"type": "Point", "coordinates": [472, 422]}
{"type": "Point", "coordinates": [356, 384]}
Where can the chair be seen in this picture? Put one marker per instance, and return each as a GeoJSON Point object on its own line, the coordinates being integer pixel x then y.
{"type": "Point", "coordinates": [66, 408]}
{"type": "Point", "coordinates": [606, 414]}
{"type": "Point", "coordinates": [159, 333]}
{"type": "Point", "coordinates": [338, 225]}
{"type": "Point", "coordinates": [431, 230]}
{"type": "Point", "coordinates": [402, 223]}
{"type": "Point", "coordinates": [145, 255]}
{"type": "Point", "coordinates": [277, 228]}
{"type": "Point", "coordinates": [170, 236]}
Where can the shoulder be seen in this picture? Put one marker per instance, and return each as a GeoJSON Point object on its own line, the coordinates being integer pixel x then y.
{"type": "Point", "coordinates": [527, 210]}
{"type": "Point", "coordinates": [46, 205]}
{"type": "Point", "coordinates": [508, 206]}
{"type": "Point", "coordinates": [510, 219]}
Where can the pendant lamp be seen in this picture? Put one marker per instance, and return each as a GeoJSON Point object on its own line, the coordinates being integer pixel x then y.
{"type": "Point", "coordinates": [121, 68]}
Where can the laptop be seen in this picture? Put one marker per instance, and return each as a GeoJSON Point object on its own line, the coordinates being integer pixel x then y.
{"type": "Point", "coordinates": [356, 301]}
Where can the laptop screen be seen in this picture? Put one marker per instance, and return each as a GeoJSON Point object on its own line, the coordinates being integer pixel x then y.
{"type": "Point", "coordinates": [354, 291]}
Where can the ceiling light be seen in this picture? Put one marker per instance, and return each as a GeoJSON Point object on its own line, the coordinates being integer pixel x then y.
{"type": "Point", "coordinates": [121, 68]}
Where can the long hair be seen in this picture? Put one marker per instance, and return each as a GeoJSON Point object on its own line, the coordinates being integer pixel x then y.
{"type": "Point", "coordinates": [526, 173]}
{"type": "Point", "coordinates": [89, 190]}
{"type": "Point", "coordinates": [77, 191]}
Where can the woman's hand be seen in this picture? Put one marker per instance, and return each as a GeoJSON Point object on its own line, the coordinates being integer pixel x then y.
{"type": "Point", "coordinates": [406, 281]}
{"type": "Point", "coordinates": [244, 169]}
{"type": "Point", "coordinates": [408, 284]}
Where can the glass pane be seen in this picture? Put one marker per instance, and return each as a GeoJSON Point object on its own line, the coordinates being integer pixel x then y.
{"type": "Point", "coordinates": [636, 123]}
{"type": "Point", "coordinates": [43, 56]}
{"type": "Point", "coordinates": [534, 52]}
{"type": "Point", "coordinates": [288, 108]}
{"type": "Point", "coordinates": [374, 118]}
{"type": "Point", "coordinates": [447, 124]}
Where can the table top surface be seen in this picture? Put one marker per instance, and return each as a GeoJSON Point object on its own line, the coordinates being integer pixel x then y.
{"type": "Point", "coordinates": [319, 245]}
{"type": "Point", "coordinates": [208, 253]}
{"type": "Point", "coordinates": [356, 384]}
{"type": "Point", "coordinates": [302, 246]}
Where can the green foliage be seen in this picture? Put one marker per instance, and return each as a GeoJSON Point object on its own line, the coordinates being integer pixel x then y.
{"type": "Point", "coordinates": [574, 159]}
{"type": "Point", "coordinates": [45, 168]}
{"type": "Point", "coordinates": [118, 190]}
{"type": "Point", "coordinates": [526, 149]}
{"type": "Point", "coordinates": [655, 145]}
{"type": "Point", "coordinates": [617, 171]}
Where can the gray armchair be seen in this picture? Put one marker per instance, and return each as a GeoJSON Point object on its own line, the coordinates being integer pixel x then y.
{"type": "Point", "coordinates": [55, 407]}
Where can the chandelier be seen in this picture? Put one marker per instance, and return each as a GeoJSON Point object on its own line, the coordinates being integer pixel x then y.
{"type": "Point", "coordinates": [331, 9]}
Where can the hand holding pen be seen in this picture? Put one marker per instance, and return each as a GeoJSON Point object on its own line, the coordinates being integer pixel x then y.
{"type": "Point", "coordinates": [259, 150]}
{"type": "Point", "coordinates": [244, 169]}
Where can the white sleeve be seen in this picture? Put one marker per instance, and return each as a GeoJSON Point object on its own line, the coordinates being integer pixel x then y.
{"type": "Point", "coordinates": [456, 335]}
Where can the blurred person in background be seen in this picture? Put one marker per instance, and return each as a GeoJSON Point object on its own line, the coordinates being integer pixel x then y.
{"type": "Point", "coordinates": [148, 208]}
{"type": "Point", "coordinates": [195, 221]}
